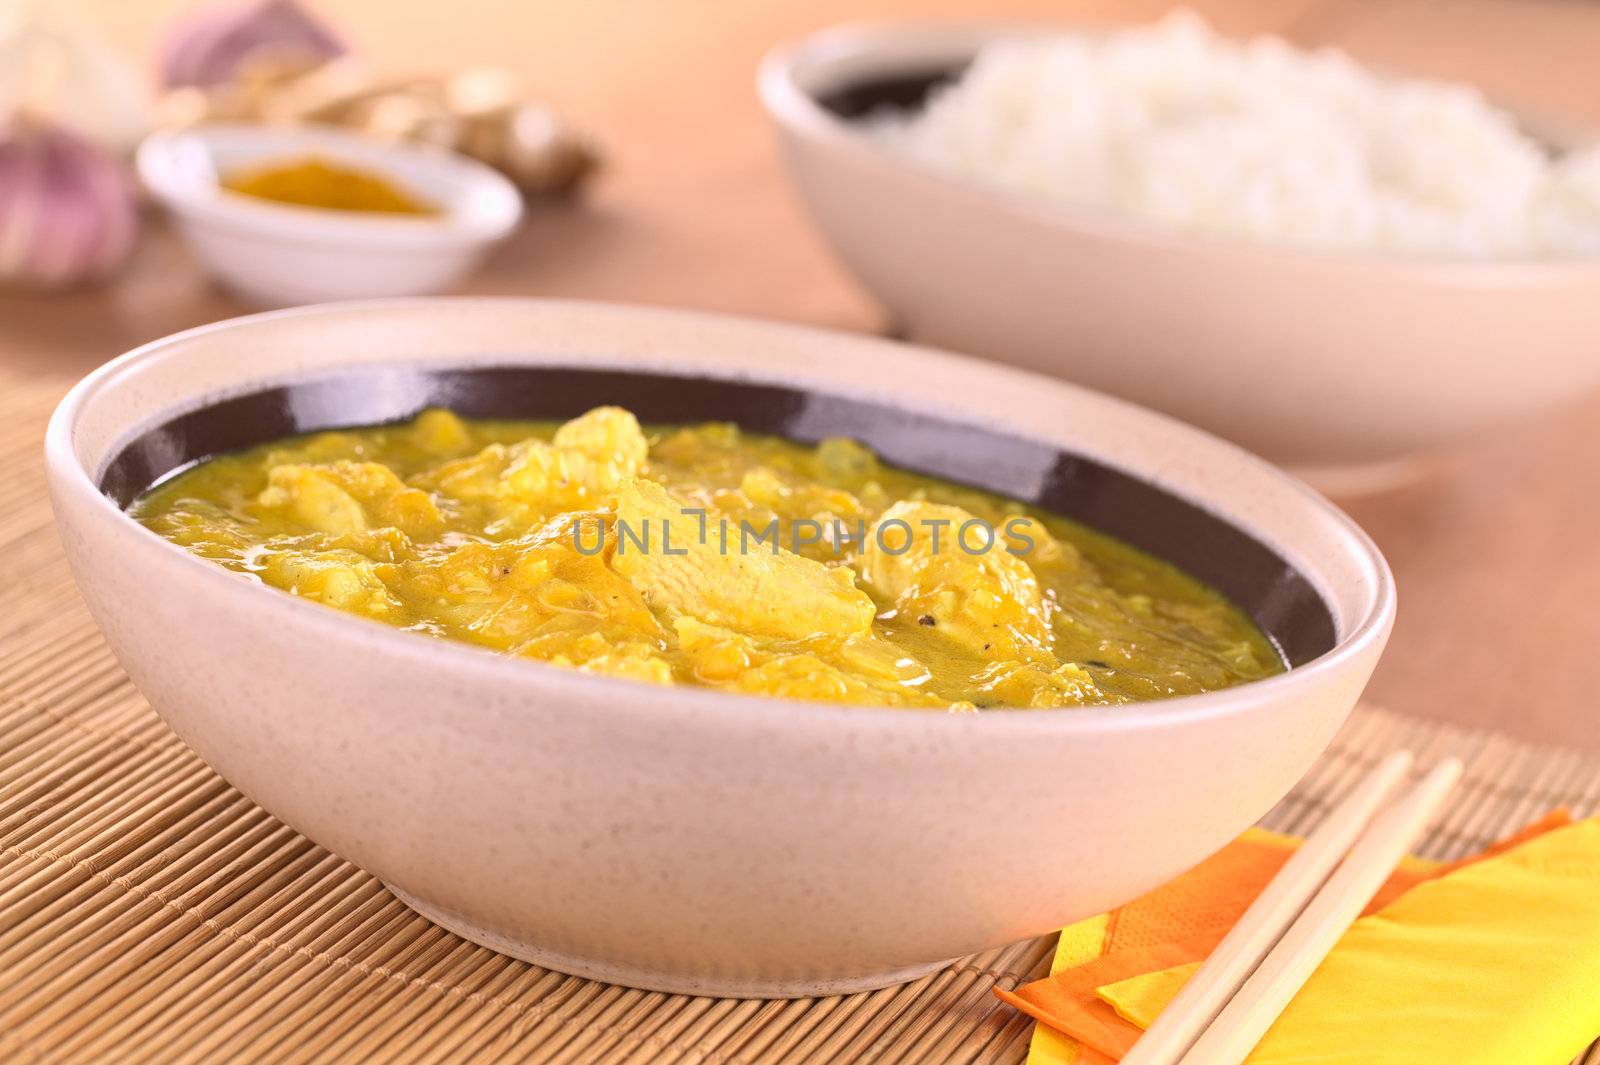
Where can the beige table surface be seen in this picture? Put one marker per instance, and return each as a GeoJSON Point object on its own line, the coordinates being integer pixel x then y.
{"type": "Point", "coordinates": [1496, 555]}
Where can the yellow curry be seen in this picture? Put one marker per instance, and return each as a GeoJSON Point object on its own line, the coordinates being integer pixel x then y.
{"type": "Point", "coordinates": [333, 186]}
{"type": "Point", "coordinates": [708, 556]}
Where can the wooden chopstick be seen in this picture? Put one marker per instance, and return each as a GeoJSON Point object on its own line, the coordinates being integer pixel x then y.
{"type": "Point", "coordinates": [1263, 924]}
{"type": "Point", "coordinates": [1241, 1024]}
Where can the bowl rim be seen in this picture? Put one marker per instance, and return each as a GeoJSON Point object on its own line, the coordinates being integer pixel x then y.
{"type": "Point", "coordinates": [1367, 634]}
{"type": "Point", "coordinates": [481, 206]}
{"type": "Point", "coordinates": [925, 45]}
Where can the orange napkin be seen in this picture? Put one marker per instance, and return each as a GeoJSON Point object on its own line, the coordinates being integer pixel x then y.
{"type": "Point", "coordinates": [1179, 924]}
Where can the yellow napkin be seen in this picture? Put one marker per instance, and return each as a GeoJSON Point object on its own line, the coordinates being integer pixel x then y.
{"type": "Point", "coordinates": [1496, 963]}
{"type": "Point", "coordinates": [1496, 936]}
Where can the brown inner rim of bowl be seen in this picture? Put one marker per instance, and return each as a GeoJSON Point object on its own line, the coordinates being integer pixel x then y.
{"type": "Point", "coordinates": [891, 92]}
{"type": "Point", "coordinates": [1280, 599]}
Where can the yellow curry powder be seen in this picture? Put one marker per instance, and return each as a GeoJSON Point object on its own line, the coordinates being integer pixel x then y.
{"type": "Point", "coordinates": [313, 182]}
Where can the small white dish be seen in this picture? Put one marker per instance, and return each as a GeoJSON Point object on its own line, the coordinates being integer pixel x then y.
{"type": "Point", "coordinates": [276, 255]}
{"type": "Point", "coordinates": [1327, 362]}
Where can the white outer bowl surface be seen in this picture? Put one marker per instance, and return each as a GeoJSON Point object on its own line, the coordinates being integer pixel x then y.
{"type": "Point", "coordinates": [277, 255]}
{"type": "Point", "coordinates": [1312, 359]}
{"type": "Point", "coordinates": [683, 839]}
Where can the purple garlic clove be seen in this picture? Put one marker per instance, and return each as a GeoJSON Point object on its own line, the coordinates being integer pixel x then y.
{"type": "Point", "coordinates": [219, 43]}
{"type": "Point", "coordinates": [67, 209]}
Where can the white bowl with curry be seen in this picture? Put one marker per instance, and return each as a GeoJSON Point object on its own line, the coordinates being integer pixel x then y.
{"type": "Point", "coordinates": [703, 654]}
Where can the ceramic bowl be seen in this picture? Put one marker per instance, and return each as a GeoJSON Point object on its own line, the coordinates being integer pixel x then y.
{"type": "Point", "coordinates": [676, 838]}
{"type": "Point", "coordinates": [1322, 361]}
{"type": "Point", "coordinates": [276, 255]}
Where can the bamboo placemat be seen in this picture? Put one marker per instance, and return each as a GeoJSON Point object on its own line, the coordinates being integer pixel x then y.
{"type": "Point", "coordinates": [150, 913]}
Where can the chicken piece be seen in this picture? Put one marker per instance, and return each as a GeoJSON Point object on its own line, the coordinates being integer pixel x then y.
{"type": "Point", "coordinates": [1028, 539]}
{"type": "Point", "coordinates": [594, 652]}
{"type": "Point", "coordinates": [609, 435]}
{"type": "Point", "coordinates": [536, 595]}
{"type": "Point", "coordinates": [472, 478]}
{"type": "Point", "coordinates": [763, 487]}
{"type": "Point", "coordinates": [858, 669]}
{"type": "Point", "coordinates": [591, 456]}
{"type": "Point", "coordinates": [987, 601]}
{"type": "Point", "coordinates": [337, 578]}
{"type": "Point", "coordinates": [629, 662]}
{"type": "Point", "coordinates": [349, 498]}
{"type": "Point", "coordinates": [531, 480]}
{"type": "Point", "coordinates": [332, 445]}
{"type": "Point", "coordinates": [755, 588]}
{"type": "Point", "coordinates": [810, 516]}
{"type": "Point", "coordinates": [441, 432]}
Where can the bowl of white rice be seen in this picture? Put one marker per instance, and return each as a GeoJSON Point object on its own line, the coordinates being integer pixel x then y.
{"type": "Point", "coordinates": [1338, 268]}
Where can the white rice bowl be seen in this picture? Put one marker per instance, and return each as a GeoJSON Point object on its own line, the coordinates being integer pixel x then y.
{"type": "Point", "coordinates": [1174, 125]}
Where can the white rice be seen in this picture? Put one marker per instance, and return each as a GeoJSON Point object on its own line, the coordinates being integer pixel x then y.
{"type": "Point", "coordinates": [1175, 125]}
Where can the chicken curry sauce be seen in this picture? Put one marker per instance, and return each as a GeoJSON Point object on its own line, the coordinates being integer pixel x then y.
{"type": "Point", "coordinates": [704, 555]}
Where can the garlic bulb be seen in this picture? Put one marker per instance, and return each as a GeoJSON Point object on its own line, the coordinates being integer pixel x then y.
{"type": "Point", "coordinates": [52, 62]}
{"type": "Point", "coordinates": [67, 212]}
{"type": "Point", "coordinates": [239, 39]}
